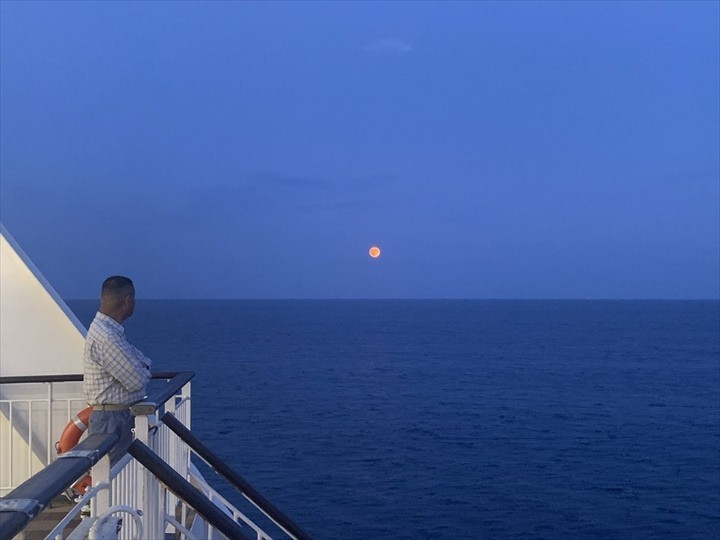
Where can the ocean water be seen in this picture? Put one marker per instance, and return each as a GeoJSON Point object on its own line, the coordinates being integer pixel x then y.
{"type": "Point", "coordinates": [457, 419]}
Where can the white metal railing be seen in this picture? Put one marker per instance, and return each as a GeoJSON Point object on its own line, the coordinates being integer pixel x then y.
{"type": "Point", "coordinates": [128, 486]}
{"type": "Point", "coordinates": [29, 428]}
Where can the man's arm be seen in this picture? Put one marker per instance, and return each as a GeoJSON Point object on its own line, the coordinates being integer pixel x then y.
{"type": "Point", "coordinates": [119, 360]}
{"type": "Point", "coordinates": [140, 356]}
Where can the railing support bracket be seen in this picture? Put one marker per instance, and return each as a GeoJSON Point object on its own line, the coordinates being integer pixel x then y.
{"type": "Point", "coordinates": [92, 454]}
{"type": "Point", "coordinates": [29, 507]}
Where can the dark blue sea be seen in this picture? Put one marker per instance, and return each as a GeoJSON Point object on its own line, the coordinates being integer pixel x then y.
{"type": "Point", "coordinates": [457, 419]}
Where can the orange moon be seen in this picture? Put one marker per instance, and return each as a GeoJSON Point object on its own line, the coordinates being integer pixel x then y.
{"type": "Point", "coordinates": [374, 252]}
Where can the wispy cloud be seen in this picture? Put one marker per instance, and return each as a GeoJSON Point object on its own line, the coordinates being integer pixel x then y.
{"type": "Point", "coordinates": [389, 47]}
{"type": "Point", "coordinates": [265, 192]}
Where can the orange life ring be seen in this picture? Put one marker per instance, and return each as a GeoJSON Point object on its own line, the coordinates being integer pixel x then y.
{"type": "Point", "coordinates": [70, 437]}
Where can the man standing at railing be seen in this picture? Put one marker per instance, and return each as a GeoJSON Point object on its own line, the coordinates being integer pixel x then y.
{"type": "Point", "coordinates": [116, 373]}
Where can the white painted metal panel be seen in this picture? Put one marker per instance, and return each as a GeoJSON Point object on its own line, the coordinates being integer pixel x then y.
{"type": "Point", "coordinates": [39, 334]}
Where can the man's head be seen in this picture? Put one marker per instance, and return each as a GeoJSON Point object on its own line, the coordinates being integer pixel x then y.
{"type": "Point", "coordinates": [117, 299]}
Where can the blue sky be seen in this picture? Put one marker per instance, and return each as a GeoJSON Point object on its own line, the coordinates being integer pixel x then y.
{"type": "Point", "coordinates": [257, 150]}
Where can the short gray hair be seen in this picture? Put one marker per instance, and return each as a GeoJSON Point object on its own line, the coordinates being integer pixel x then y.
{"type": "Point", "coordinates": [116, 288]}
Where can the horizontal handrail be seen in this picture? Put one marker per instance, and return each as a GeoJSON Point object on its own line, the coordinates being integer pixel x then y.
{"type": "Point", "coordinates": [19, 379]}
{"type": "Point", "coordinates": [150, 404]}
{"type": "Point", "coordinates": [242, 485]}
{"type": "Point", "coordinates": [27, 500]}
{"type": "Point", "coordinates": [172, 387]}
{"type": "Point", "coordinates": [183, 489]}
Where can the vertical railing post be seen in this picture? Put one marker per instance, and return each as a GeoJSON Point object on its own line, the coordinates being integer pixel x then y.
{"type": "Point", "coordinates": [30, 439]}
{"type": "Point", "coordinates": [50, 423]}
{"type": "Point", "coordinates": [10, 452]}
{"type": "Point", "coordinates": [183, 451]}
{"type": "Point", "coordinates": [172, 448]}
{"type": "Point", "coordinates": [101, 475]}
{"type": "Point", "coordinates": [158, 519]}
{"type": "Point", "coordinates": [147, 500]}
{"type": "Point", "coordinates": [186, 404]}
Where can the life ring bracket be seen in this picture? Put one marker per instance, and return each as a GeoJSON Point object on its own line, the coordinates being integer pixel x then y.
{"type": "Point", "coordinates": [92, 454]}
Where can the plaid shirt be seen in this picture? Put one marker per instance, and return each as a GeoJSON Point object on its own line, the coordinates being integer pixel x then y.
{"type": "Point", "coordinates": [115, 371]}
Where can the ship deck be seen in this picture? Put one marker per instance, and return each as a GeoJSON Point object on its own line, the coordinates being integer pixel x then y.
{"type": "Point", "coordinates": [39, 527]}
